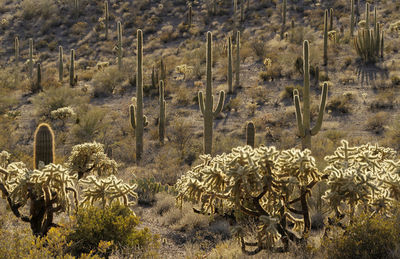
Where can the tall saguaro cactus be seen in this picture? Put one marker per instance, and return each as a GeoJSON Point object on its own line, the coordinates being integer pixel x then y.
{"type": "Point", "coordinates": [284, 9]}
{"type": "Point", "coordinates": [303, 116]}
{"type": "Point", "coordinates": [237, 62]}
{"type": "Point", "coordinates": [230, 70]}
{"type": "Point", "coordinates": [106, 18]}
{"type": "Point", "coordinates": [161, 122]}
{"type": "Point", "coordinates": [72, 68]}
{"type": "Point", "coordinates": [352, 18]}
{"type": "Point", "coordinates": [190, 16]}
{"type": "Point", "coordinates": [16, 50]}
{"type": "Point", "coordinates": [43, 145]}
{"type": "Point", "coordinates": [119, 45]}
{"type": "Point", "coordinates": [326, 37]}
{"type": "Point", "coordinates": [60, 63]}
{"type": "Point", "coordinates": [250, 134]}
{"type": "Point", "coordinates": [207, 104]}
{"type": "Point", "coordinates": [38, 86]}
{"type": "Point", "coordinates": [330, 19]}
{"type": "Point", "coordinates": [138, 121]}
{"type": "Point", "coordinates": [30, 60]}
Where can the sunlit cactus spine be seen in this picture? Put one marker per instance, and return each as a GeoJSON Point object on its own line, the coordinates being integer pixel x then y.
{"type": "Point", "coordinates": [206, 104]}
{"type": "Point", "coordinates": [119, 45]}
{"type": "Point", "coordinates": [138, 121]}
{"type": "Point", "coordinates": [330, 19]}
{"type": "Point", "coordinates": [161, 124]}
{"type": "Point", "coordinates": [43, 145]}
{"type": "Point", "coordinates": [16, 50]}
{"type": "Point", "coordinates": [303, 115]}
{"type": "Point", "coordinates": [60, 63]}
{"type": "Point", "coordinates": [30, 60]}
{"type": "Point", "coordinates": [352, 18]}
{"type": "Point", "coordinates": [326, 38]}
{"type": "Point", "coordinates": [237, 61]}
{"type": "Point", "coordinates": [106, 18]}
{"type": "Point", "coordinates": [250, 134]}
{"type": "Point", "coordinates": [72, 68]}
{"type": "Point", "coordinates": [230, 70]}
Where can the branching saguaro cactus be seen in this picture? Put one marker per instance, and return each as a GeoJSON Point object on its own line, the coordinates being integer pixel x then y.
{"type": "Point", "coordinates": [250, 134]}
{"type": "Point", "coordinates": [326, 38]}
{"type": "Point", "coordinates": [230, 70]}
{"type": "Point", "coordinates": [43, 145]}
{"type": "Point", "coordinates": [106, 18]}
{"type": "Point", "coordinates": [237, 61]}
{"type": "Point", "coordinates": [368, 44]}
{"type": "Point", "coordinates": [207, 104]}
{"type": "Point", "coordinates": [161, 122]}
{"type": "Point", "coordinates": [30, 60]}
{"type": "Point", "coordinates": [60, 63]}
{"type": "Point", "coordinates": [138, 121]}
{"type": "Point", "coordinates": [303, 116]}
{"type": "Point", "coordinates": [263, 184]}
{"type": "Point", "coordinates": [119, 45]}
{"type": "Point", "coordinates": [72, 79]}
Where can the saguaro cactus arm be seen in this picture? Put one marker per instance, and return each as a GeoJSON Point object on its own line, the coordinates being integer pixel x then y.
{"type": "Point", "coordinates": [201, 102]}
{"type": "Point", "coordinates": [318, 124]}
{"type": "Point", "coordinates": [299, 115]}
{"type": "Point", "coordinates": [220, 104]}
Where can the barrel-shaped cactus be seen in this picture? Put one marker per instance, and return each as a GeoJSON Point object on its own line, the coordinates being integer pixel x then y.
{"type": "Point", "coordinates": [250, 134]}
{"type": "Point", "coordinates": [207, 103]}
{"type": "Point", "coordinates": [43, 145]}
{"type": "Point", "coordinates": [303, 115]}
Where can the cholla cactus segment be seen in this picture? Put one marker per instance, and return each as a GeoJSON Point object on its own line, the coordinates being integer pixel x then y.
{"type": "Point", "coordinates": [90, 158]}
{"type": "Point", "coordinates": [260, 182]}
{"type": "Point", "coordinates": [106, 191]}
{"type": "Point", "coordinates": [367, 176]}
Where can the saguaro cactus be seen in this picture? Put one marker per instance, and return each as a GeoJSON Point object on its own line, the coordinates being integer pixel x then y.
{"type": "Point", "coordinates": [43, 145]}
{"type": "Point", "coordinates": [206, 104]}
{"type": "Point", "coordinates": [230, 70]}
{"type": "Point", "coordinates": [106, 16]}
{"type": "Point", "coordinates": [326, 38]}
{"type": "Point", "coordinates": [284, 9]}
{"type": "Point", "coordinates": [352, 18]}
{"type": "Point", "coordinates": [72, 68]}
{"type": "Point", "coordinates": [119, 45]}
{"type": "Point", "coordinates": [250, 134]}
{"type": "Point", "coordinates": [190, 16]}
{"type": "Point", "coordinates": [138, 121]}
{"type": "Point", "coordinates": [237, 62]}
{"type": "Point", "coordinates": [30, 60]}
{"type": "Point", "coordinates": [16, 50]}
{"type": "Point", "coordinates": [367, 15]}
{"type": "Point", "coordinates": [161, 122]}
{"type": "Point", "coordinates": [60, 63]}
{"type": "Point", "coordinates": [330, 19]}
{"type": "Point", "coordinates": [38, 85]}
{"type": "Point", "coordinates": [303, 116]}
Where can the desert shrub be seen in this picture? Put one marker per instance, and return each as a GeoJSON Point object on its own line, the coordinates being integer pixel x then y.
{"type": "Point", "coordinates": [392, 136]}
{"type": "Point", "coordinates": [384, 100]}
{"type": "Point", "coordinates": [91, 123]}
{"type": "Point", "coordinates": [259, 48]}
{"type": "Point", "coordinates": [368, 237]}
{"type": "Point", "coordinates": [164, 203]}
{"type": "Point", "coordinates": [340, 104]}
{"type": "Point", "coordinates": [105, 82]}
{"type": "Point", "coordinates": [42, 8]}
{"type": "Point", "coordinates": [116, 224]}
{"type": "Point", "coordinates": [287, 93]}
{"type": "Point", "coordinates": [377, 122]}
{"type": "Point", "coordinates": [54, 98]}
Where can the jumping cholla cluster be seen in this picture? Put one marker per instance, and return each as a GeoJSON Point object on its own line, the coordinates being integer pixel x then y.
{"type": "Point", "coordinates": [63, 113]}
{"type": "Point", "coordinates": [53, 188]}
{"type": "Point", "coordinates": [264, 183]}
{"type": "Point", "coordinates": [365, 177]}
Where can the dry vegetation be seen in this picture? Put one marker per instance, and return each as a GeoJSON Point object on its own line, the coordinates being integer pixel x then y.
{"type": "Point", "coordinates": [362, 105]}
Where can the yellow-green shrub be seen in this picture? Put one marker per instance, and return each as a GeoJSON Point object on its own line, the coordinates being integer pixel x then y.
{"type": "Point", "coordinates": [116, 225]}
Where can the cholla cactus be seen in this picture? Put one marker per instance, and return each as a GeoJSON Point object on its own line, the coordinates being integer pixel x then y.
{"type": "Point", "coordinates": [63, 114]}
{"type": "Point", "coordinates": [364, 177]}
{"type": "Point", "coordinates": [263, 183]}
{"type": "Point", "coordinates": [106, 191]}
{"type": "Point", "coordinates": [90, 158]}
{"type": "Point", "coordinates": [45, 191]}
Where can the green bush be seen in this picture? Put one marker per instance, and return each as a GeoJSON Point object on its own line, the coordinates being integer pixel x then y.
{"type": "Point", "coordinates": [368, 237]}
{"type": "Point", "coordinates": [115, 225]}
